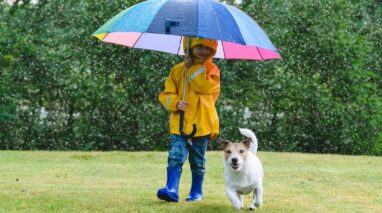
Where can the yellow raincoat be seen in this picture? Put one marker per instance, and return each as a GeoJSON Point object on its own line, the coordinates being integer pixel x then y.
{"type": "Point", "coordinates": [202, 92]}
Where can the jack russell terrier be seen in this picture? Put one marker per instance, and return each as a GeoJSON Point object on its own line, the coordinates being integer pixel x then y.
{"type": "Point", "coordinates": [243, 171]}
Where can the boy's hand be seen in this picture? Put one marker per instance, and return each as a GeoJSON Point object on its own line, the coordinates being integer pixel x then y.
{"type": "Point", "coordinates": [181, 105]}
{"type": "Point", "coordinates": [188, 61]}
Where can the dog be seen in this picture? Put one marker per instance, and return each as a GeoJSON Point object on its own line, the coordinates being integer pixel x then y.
{"type": "Point", "coordinates": [243, 171]}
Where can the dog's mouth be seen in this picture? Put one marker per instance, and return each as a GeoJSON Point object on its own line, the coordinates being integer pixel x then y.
{"type": "Point", "coordinates": [235, 166]}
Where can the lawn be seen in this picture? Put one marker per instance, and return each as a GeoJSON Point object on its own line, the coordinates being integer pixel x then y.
{"type": "Point", "coordinates": [128, 181]}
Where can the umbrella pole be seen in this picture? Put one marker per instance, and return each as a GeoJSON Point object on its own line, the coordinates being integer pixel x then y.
{"type": "Point", "coordinates": [181, 120]}
{"type": "Point", "coordinates": [186, 71]}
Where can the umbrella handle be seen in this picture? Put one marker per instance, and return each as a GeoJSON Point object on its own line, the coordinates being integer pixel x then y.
{"type": "Point", "coordinates": [194, 128]}
{"type": "Point", "coordinates": [181, 120]}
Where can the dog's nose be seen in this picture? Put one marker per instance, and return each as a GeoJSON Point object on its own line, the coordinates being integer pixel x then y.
{"type": "Point", "coordinates": [234, 160]}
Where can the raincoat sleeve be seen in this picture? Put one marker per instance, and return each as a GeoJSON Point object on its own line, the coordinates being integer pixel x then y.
{"type": "Point", "coordinates": [206, 81]}
{"type": "Point", "coordinates": [168, 97]}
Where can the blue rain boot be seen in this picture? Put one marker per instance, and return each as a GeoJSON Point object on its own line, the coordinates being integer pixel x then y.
{"type": "Point", "coordinates": [196, 192]}
{"type": "Point", "coordinates": [170, 192]}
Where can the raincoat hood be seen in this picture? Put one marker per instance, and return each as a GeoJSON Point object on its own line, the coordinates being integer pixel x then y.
{"type": "Point", "coordinates": [213, 44]}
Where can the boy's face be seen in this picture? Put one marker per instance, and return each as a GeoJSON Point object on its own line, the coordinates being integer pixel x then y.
{"type": "Point", "coordinates": [201, 52]}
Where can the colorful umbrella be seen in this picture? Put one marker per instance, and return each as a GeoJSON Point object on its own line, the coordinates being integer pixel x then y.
{"type": "Point", "coordinates": [161, 25]}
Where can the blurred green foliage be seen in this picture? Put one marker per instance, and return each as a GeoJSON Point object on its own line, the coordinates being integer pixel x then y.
{"type": "Point", "coordinates": [61, 89]}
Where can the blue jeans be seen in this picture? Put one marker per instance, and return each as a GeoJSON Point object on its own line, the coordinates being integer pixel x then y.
{"type": "Point", "coordinates": [179, 148]}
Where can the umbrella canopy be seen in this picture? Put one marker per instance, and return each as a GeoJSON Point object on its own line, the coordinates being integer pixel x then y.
{"type": "Point", "coordinates": [161, 25]}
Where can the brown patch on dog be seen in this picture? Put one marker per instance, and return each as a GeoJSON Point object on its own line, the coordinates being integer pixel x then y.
{"type": "Point", "coordinates": [240, 149]}
{"type": "Point", "coordinates": [228, 150]}
{"type": "Point", "coordinates": [223, 143]}
{"type": "Point", "coordinates": [247, 142]}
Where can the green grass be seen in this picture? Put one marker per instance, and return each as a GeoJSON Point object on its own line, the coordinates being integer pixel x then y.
{"type": "Point", "coordinates": [128, 181]}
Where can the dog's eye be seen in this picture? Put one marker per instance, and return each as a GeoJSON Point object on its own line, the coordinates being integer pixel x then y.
{"type": "Point", "coordinates": [242, 151]}
{"type": "Point", "coordinates": [228, 151]}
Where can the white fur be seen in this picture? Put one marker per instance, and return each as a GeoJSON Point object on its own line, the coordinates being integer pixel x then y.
{"type": "Point", "coordinates": [246, 179]}
{"type": "Point", "coordinates": [249, 134]}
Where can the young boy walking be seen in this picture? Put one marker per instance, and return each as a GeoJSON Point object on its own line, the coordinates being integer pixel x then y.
{"type": "Point", "coordinates": [193, 87]}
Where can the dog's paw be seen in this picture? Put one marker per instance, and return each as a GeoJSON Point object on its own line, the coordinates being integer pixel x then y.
{"type": "Point", "coordinates": [258, 203]}
{"type": "Point", "coordinates": [237, 205]}
{"type": "Point", "coordinates": [252, 208]}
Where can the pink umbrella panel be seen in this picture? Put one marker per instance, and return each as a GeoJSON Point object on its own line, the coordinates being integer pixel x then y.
{"type": "Point", "coordinates": [173, 44]}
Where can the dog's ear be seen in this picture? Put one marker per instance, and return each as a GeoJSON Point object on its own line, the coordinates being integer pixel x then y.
{"type": "Point", "coordinates": [247, 142]}
{"type": "Point", "coordinates": [223, 143]}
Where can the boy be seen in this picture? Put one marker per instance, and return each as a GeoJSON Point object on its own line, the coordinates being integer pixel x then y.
{"type": "Point", "coordinates": [201, 93]}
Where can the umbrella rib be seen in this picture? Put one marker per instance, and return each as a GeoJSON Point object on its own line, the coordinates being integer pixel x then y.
{"type": "Point", "coordinates": [259, 53]}
{"type": "Point", "coordinates": [235, 23]}
{"type": "Point", "coordinates": [105, 36]}
{"type": "Point", "coordinates": [217, 21]}
{"type": "Point", "coordinates": [197, 17]}
{"type": "Point", "coordinates": [180, 44]}
{"type": "Point", "coordinates": [137, 40]}
{"type": "Point", "coordinates": [223, 48]}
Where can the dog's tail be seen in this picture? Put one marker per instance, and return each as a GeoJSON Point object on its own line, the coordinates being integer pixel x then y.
{"type": "Point", "coordinates": [249, 134]}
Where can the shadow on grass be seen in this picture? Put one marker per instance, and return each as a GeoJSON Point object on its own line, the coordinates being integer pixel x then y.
{"type": "Point", "coordinates": [193, 207]}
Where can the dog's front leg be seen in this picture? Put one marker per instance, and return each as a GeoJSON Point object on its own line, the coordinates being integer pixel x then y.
{"type": "Point", "coordinates": [259, 196]}
{"type": "Point", "coordinates": [257, 200]}
{"type": "Point", "coordinates": [253, 202]}
{"type": "Point", "coordinates": [234, 197]}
